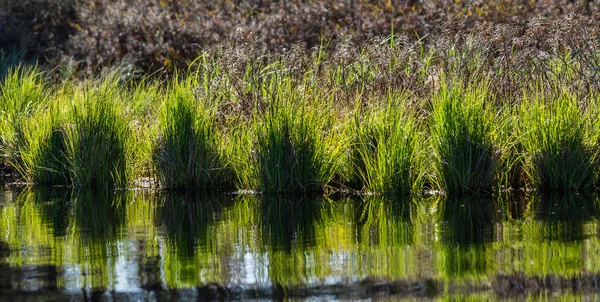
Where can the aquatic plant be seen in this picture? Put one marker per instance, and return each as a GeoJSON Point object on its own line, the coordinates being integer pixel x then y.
{"type": "Point", "coordinates": [294, 152]}
{"type": "Point", "coordinates": [240, 140]}
{"type": "Point", "coordinates": [511, 167]}
{"type": "Point", "coordinates": [43, 157]}
{"type": "Point", "coordinates": [97, 137]}
{"type": "Point", "coordinates": [187, 154]}
{"type": "Point", "coordinates": [385, 151]}
{"type": "Point", "coordinates": [22, 90]}
{"type": "Point", "coordinates": [465, 155]}
{"type": "Point", "coordinates": [560, 155]}
{"type": "Point", "coordinates": [142, 108]}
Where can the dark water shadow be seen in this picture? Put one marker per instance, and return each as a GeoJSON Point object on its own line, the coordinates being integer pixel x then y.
{"type": "Point", "coordinates": [99, 216]}
{"type": "Point", "coordinates": [7, 273]}
{"type": "Point", "coordinates": [384, 221]}
{"type": "Point", "coordinates": [288, 222]}
{"type": "Point", "coordinates": [468, 221]}
{"type": "Point", "coordinates": [565, 206]}
{"type": "Point", "coordinates": [514, 204]}
{"type": "Point", "coordinates": [564, 214]}
{"type": "Point", "coordinates": [467, 229]}
{"type": "Point", "coordinates": [4, 250]}
{"type": "Point", "coordinates": [186, 218]}
{"type": "Point", "coordinates": [55, 206]}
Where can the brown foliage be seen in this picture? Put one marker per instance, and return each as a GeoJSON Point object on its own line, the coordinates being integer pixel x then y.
{"type": "Point", "coordinates": [150, 35]}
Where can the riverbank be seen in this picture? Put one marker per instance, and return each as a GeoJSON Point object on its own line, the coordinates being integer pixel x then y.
{"type": "Point", "coordinates": [277, 131]}
{"type": "Point", "coordinates": [470, 113]}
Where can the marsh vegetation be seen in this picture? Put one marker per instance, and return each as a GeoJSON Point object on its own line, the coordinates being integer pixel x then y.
{"type": "Point", "coordinates": [273, 149]}
{"type": "Point", "coordinates": [326, 128]}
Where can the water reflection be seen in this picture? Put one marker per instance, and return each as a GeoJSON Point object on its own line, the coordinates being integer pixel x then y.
{"type": "Point", "coordinates": [53, 204]}
{"type": "Point", "coordinates": [145, 244]}
{"type": "Point", "coordinates": [208, 239]}
{"type": "Point", "coordinates": [99, 217]}
{"type": "Point", "coordinates": [383, 221]}
{"type": "Point", "coordinates": [468, 221]}
{"type": "Point", "coordinates": [468, 230]}
{"type": "Point", "coordinates": [566, 214]}
{"type": "Point", "coordinates": [289, 227]}
{"type": "Point", "coordinates": [186, 219]}
{"type": "Point", "coordinates": [98, 222]}
{"type": "Point", "coordinates": [290, 222]}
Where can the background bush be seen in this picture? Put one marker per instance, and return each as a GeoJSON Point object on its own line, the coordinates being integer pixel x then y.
{"type": "Point", "coordinates": [145, 35]}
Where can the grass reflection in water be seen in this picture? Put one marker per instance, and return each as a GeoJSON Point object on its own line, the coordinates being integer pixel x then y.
{"type": "Point", "coordinates": [263, 246]}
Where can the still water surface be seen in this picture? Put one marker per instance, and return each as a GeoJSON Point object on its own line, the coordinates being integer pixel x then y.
{"type": "Point", "coordinates": [137, 245]}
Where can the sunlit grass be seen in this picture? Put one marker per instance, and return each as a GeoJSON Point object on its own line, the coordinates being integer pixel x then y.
{"type": "Point", "coordinates": [267, 127]}
{"type": "Point", "coordinates": [386, 150]}
{"type": "Point", "coordinates": [97, 137]}
{"type": "Point", "coordinates": [43, 156]}
{"type": "Point", "coordinates": [23, 91]}
{"type": "Point", "coordinates": [558, 139]}
{"type": "Point", "coordinates": [465, 155]}
{"type": "Point", "coordinates": [187, 154]}
{"type": "Point", "coordinates": [294, 151]}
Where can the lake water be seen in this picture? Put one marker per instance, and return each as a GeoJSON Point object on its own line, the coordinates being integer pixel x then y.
{"type": "Point", "coordinates": [139, 245]}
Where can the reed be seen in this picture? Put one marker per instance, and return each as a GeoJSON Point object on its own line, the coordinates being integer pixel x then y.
{"type": "Point", "coordinates": [511, 170]}
{"type": "Point", "coordinates": [284, 125]}
{"type": "Point", "coordinates": [43, 157]}
{"type": "Point", "coordinates": [23, 91]}
{"type": "Point", "coordinates": [142, 109]}
{"type": "Point", "coordinates": [293, 152]}
{"type": "Point", "coordinates": [240, 142]}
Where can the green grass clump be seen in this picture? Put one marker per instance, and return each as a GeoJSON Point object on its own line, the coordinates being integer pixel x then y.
{"type": "Point", "coordinates": [559, 153]}
{"type": "Point", "coordinates": [240, 141]}
{"type": "Point", "coordinates": [385, 151]}
{"type": "Point", "coordinates": [97, 138]}
{"type": "Point", "coordinates": [22, 91]}
{"type": "Point", "coordinates": [43, 158]}
{"type": "Point", "coordinates": [293, 153]}
{"type": "Point", "coordinates": [142, 107]}
{"type": "Point", "coordinates": [511, 168]}
{"type": "Point", "coordinates": [466, 158]}
{"type": "Point", "coordinates": [187, 153]}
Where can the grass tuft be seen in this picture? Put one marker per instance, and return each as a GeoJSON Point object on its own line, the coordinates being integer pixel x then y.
{"type": "Point", "coordinates": [22, 91]}
{"type": "Point", "coordinates": [294, 154]}
{"type": "Point", "coordinates": [466, 158]}
{"type": "Point", "coordinates": [43, 158]}
{"type": "Point", "coordinates": [385, 151]}
{"type": "Point", "coordinates": [555, 137]}
{"type": "Point", "coordinates": [187, 153]}
{"type": "Point", "coordinates": [97, 138]}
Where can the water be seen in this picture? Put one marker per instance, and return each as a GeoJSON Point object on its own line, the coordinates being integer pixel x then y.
{"type": "Point", "coordinates": [136, 245]}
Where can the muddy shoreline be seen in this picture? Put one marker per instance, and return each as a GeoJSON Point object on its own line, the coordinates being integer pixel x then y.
{"type": "Point", "coordinates": [8, 176]}
{"type": "Point", "coordinates": [502, 286]}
